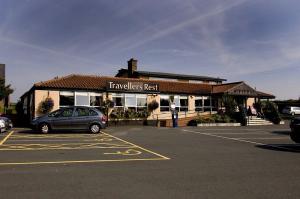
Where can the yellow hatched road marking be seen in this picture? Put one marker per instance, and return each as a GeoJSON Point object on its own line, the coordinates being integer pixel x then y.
{"type": "Point", "coordinates": [78, 161]}
{"type": "Point", "coordinates": [10, 147]}
{"type": "Point", "coordinates": [2, 142]}
{"type": "Point", "coordinates": [164, 157]}
{"type": "Point", "coordinates": [57, 136]}
{"type": "Point", "coordinates": [131, 150]}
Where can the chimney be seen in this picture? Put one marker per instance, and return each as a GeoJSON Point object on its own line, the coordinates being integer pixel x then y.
{"type": "Point", "coordinates": [132, 67]}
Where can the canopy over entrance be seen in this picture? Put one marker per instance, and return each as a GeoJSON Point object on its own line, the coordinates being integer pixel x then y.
{"type": "Point", "coordinates": [240, 89]}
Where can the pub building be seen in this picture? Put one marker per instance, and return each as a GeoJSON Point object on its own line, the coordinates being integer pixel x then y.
{"type": "Point", "coordinates": [133, 90]}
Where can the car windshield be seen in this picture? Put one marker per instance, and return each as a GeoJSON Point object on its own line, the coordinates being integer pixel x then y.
{"type": "Point", "coordinates": [54, 113]}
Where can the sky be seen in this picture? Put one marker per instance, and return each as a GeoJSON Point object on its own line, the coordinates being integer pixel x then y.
{"type": "Point", "coordinates": [256, 41]}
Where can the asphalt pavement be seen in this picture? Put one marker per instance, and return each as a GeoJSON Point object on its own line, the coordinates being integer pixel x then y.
{"type": "Point", "coordinates": [150, 162]}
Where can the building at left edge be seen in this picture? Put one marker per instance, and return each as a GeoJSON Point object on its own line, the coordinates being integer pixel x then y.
{"type": "Point", "coordinates": [5, 101]}
{"type": "Point", "coordinates": [133, 89]}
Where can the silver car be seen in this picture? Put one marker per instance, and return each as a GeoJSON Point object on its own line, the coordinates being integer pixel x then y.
{"type": "Point", "coordinates": [71, 118]}
{"type": "Point", "coordinates": [5, 124]}
{"type": "Point", "coordinates": [291, 110]}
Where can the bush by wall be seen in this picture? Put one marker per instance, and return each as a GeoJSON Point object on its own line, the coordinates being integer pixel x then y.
{"type": "Point", "coordinates": [46, 106]}
{"type": "Point", "coordinates": [216, 118]}
{"type": "Point", "coordinates": [271, 112]}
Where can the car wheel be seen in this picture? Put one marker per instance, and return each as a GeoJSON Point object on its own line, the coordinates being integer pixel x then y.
{"type": "Point", "coordinates": [44, 128]}
{"type": "Point", "coordinates": [95, 128]}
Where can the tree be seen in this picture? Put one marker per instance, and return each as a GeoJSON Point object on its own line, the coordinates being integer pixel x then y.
{"type": "Point", "coordinates": [5, 91]}
{"type": "Point", "coordinates": [229, 104]}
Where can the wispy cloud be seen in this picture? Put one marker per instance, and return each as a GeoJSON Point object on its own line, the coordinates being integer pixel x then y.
{"type": "Point", "coordinates": [191, 21]}
{"type": "Point", "coordinates": [47, 50]}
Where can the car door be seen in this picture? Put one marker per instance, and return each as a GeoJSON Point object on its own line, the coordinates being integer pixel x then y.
{"type": "Point", "coordinates": [81, 118]}
{"type": "Point", "coordinates": [63, 120]}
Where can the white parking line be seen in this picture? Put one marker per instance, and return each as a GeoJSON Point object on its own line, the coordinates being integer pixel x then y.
{"type": "Point", "coordinates": [232, 133]}
{"type": "Point", "coordinates": [268, 138]}
{"type": "Point", "coordinates": [236, 139]}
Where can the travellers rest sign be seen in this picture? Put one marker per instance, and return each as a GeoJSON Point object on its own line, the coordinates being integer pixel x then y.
{"type": "Point", "coordinates": [128, 86]}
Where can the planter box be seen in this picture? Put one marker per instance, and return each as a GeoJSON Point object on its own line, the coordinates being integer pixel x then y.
{"type": "Point", "coordinates": [219, 124]}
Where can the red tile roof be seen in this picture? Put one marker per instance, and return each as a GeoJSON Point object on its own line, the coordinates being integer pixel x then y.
{"type": "Point", "coordinates": [265, 95]}
{"type": "Point", "coordinates": [89, 82]}
{"type": "Point", "coordinates": [222, 88]}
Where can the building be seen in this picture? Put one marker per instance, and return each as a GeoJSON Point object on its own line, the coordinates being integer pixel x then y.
{"type": "Point", "coordinates": [133, 90]}
{"type": "Point", "coordinates": [5, 101]}
{"type": "Point", "coordinates": [2, 71]}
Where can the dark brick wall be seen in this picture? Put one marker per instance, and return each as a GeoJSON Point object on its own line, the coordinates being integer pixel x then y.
{"type": "Point", "coordinates": [2, 71]}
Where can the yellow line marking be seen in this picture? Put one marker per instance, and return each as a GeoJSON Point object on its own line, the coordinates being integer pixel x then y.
{"type": "Point", "coordinates": [78, 161]}
{"type": "Point", "coordinates": [37, 136]}
{"type": "Point", "coordinates": [2, 142]}
{"type": "Point", "coordinates": [164, 157]}
{"type": "Point", "coordinates": [131, 145]}
{"type": "Point", "coordinates": [69, 146]}
{"type": "Point", "coordinates": [127, 152]}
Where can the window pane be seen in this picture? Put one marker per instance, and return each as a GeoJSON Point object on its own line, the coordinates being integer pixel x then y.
{"type": "Point", "coordinates": [183, 102]}
{"type": "Point", "coordinates": [184, 109]}
{"type": "Point", "coordinates": [162, 109]}
{"type": "Point", "coordinates": [207, 101]}
{"type": "Point", "coordinates": [82, 100]}
{"type": "Point", "coordinates": [66, 99]}
{"type": "Point", "coordinates": [177, 101]}
{"type": "Point", "coordinates": [141, 101]}
{"type": "Point", "coordinates": [130, 100]}
{"type": "Point", "coordinates": [119, 101]}
{"type": "Point", "coordinates": [164, 102]}
{"type": "Point", "coordinates": [206, 109]}
{"type": "Point", "coordinates": [96, 100]}
{"type": "Point", "coordinates": [199, 109]}
{"type": "Point", "coordinates": [198, 103]}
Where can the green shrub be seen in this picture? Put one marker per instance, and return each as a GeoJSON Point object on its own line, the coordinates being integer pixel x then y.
{"type": "Point", "coordinates": [271, 112]}
{"type": "Point", "coordinates": [216, 118]}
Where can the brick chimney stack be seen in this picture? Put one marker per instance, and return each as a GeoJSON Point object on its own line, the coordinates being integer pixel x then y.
{"type": "Point", "coordinates": [132, 67]}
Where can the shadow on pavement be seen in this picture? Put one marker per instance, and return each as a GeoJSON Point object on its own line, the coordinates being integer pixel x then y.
{"type": "Point", "coordinates": [283, 132]}
{"type": "Point", "coordinates": [295, 148]}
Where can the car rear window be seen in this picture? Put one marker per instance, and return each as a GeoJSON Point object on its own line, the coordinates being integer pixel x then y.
{"type": "Point", "coordinates": [80, 112]}
{"type": "Point", "coordinates": [93, 113]}
{"type": "Point", "coordinates": [67, 112]}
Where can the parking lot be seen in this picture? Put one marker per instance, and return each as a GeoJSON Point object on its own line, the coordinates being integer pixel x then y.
{"type": "Point", "coordinates": [23, 147]}
{"type": "Point", "coordinates": [149, 162]}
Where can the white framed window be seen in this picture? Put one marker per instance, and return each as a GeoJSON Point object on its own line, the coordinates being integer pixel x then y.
{"type": "Point", "coordinates": [96, 99]}
{"type": "Point", "coordinates": [66, 98]}
{"type": "Point", "coordinates": [184, 103]}
{"type": "Point", "coordinates": [164, 103]}
{"type": "Point", "coordinates": [130, 100]}
{"type": "Point", "coordinates": [82, 99]}
{"type": "Point", "coordinates": [199, 104]}
{"type": "Point", "coordinates": [181, 103]}
{"type": "Point", "coordinates": [203, 103]}
{"type": "Point", "coordinates": [118, 99]}
{"type": "Point", "coordinates": [207, 103]}
{"type": "Point", "coordinates": [69, 98]}
{"type": "Point", "coordinates": [134, 102]}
